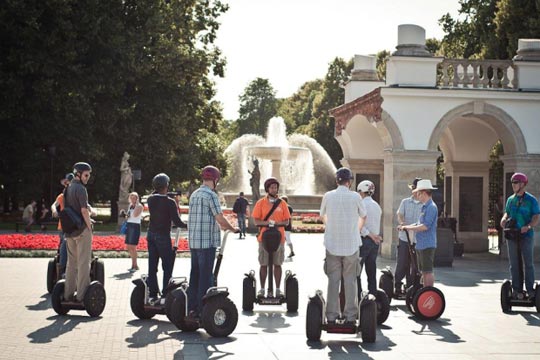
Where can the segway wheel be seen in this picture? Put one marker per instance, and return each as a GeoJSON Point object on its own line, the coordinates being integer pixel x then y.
{"type": "Point", "coordinates": [386, 284]}
{"type": "Point", "coordinates": [56, 298]}
{"type": "Point", "coordinates": [177, 314]}
{"type": "Point", "coordinates": [95, 299]}
{"type": "Point", "coordinates": [429, 303]}
{"type": "Point", "coordinates": [291, 291]}
{"type": "Point", "coordinates": [169, 300]}
{"type": "Point", "coordinates": [219, 316]}
{"type": "Point", "coordinates": [314, 320]}
{"type": "Point", "coordinates": [409, 296]}
{"type": "Point", "coordinates": [137, 303]}
{"type": "Point", "coordinates": [368, 321]}
{"type": "Point", "coordinates": [537, 297]}
{"type": "Point", "coordinates": [506, 295]}
{"type": "Point", "coordinates": [98, 271]}
{"type": "Point", "coordinates": [383, 306]}
{"type": "Point", "coordinates": [248, 293]}
{"type": "Point", "coordinates": [51, 275]}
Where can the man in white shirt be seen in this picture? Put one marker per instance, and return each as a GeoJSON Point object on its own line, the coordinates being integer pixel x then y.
{"type": "Point", "coordinates": [343, 213]}
{"type": "Point", "coordinates": [370, 233]}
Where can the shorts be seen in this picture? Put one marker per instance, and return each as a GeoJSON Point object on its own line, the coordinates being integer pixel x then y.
{"type": "Point", "coordinates": [133, 234]}
{"type": "Point", "coordinates": [279, 255]}
{"type": "Point", "coordinates": [288, 237]}
{"type": "Point", "coordinates": [425, 259]}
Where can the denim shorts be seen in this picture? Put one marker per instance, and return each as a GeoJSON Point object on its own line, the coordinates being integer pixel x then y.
{"type": "Point", "coordinates": [133, 233]}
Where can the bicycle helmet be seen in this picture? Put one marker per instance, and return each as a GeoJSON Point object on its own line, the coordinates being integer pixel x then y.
{"type": "Point", "coordinates": [366, 186]}
{"type": "Point", "coordinates": [79, 167]}
{"type": "Point", "coordinates": [160, 181]}
{"type": "Point", "coordinates": [270, 181]}
{"type": "Point", "coordinates": [521, 177]}
{"type": "Point", "coordinates": [210, 172]}
{"type": "Point", "coordinates": [344, 174]}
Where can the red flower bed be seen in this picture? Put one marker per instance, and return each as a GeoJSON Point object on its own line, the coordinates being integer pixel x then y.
{"type": "Point", "coordinates": [50, 242]}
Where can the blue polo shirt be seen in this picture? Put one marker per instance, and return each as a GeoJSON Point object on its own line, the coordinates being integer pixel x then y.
{"type": "Point", "coordinates": [428, 216]}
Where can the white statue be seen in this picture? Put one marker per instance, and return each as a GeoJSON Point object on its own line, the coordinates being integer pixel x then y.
{"type": "Point", "coordinates": [126, 178]}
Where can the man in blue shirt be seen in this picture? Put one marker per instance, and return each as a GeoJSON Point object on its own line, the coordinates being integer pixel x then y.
{"type": "Point", "coordinates": [426, 231]}
{"type": "Point", "coordinates": [523, 208]}
{"type": "Point", "coordinates": [205, 220]}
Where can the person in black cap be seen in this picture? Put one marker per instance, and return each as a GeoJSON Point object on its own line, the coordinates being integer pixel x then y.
{"type": "Point", "coordinates": [408, 213]}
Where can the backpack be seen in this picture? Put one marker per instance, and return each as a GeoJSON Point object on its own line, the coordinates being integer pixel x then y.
{"type": "Point", "coordinates": [236, 206]}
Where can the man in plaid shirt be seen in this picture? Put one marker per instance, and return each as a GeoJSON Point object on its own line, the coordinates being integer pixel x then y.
{"type": "Point", "coordinates": [205, 220]}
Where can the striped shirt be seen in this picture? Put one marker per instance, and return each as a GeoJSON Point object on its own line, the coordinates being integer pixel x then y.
{"type": "Point", "coordinates": [373, 219]}
{"type": "Point", "coordinates": [410, 209]}
{"type": "Point", "coordinates": [427, 239]}
{"type": "Point", "coordinates": [203, 229]}
{"type": "Point", "coordinates": [343, 208]}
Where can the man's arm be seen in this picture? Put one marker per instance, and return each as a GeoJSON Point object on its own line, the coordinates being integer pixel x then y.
{"type": "Point", "coordinates": [86, 216]}
{"type": "Point", "coordinates": [224, 223]}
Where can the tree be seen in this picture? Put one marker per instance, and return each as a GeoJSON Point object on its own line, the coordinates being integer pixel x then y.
{"type": "Point", "coordinates": [97, 78]}
{"type": "Point", "coordinates": [258, 104]}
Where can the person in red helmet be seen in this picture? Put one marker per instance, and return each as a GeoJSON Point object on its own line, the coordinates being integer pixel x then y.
{"type": "Point", "coordinates": [205, 220]}
{"type": "Point", "coordinates": [522, 208]}
{"type": "Point", "coordinates": [279, 216]}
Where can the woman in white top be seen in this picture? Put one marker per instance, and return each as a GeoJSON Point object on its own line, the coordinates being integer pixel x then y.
{"type": "Point", "coordinates": [133, 218]}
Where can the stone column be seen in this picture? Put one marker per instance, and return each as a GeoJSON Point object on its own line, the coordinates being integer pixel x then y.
{"type": "Point", "coordinates": [400, 168]}
{"type": "Point", "coordinates": [527, 64]}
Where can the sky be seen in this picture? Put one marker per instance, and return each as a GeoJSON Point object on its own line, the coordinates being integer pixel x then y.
{"type": "Point", "coordinates": [290, 42]}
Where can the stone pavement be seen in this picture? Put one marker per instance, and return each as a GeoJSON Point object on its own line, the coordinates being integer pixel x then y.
{"type": "Point", "coordinates": [472, 327]}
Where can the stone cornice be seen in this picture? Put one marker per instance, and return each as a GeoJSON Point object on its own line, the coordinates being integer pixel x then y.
{"type": "Point", "coordinates": [368, 105]}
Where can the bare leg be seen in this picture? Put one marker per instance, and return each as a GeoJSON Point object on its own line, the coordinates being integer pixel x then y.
{"type": "Point", "coordinates": [132, 249]}
{"type": "Point", "coordinates": [277, 275]}
{"type": "Point", "coordinates": [429, 279]}
{"type": "Point", "coordinates": [263, 272]}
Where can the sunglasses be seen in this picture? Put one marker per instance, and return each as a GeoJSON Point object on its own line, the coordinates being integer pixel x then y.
{"type": "Point", "coordinates": [516, 182]}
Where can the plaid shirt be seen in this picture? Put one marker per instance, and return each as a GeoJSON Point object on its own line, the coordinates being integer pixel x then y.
{"type": "Point", "coordinates": [203, 229]}
{"type": "Point", "coordinates": [411, 210]}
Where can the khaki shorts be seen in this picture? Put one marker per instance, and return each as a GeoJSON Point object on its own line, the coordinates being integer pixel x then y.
{"type": "Point", "coordinates": [279, 255]}
{"type": "Point", "coordinates": [425, 260]}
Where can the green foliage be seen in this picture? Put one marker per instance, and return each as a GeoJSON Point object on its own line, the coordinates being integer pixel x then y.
{"type": "Point", "coordinates": [381, 60]}
{"type": "Point", "coordinates": [97, 78]}
{"type": "Point", "coordinates": [258, 104]}
{"type": "Point", "coordinates": [489, 29]}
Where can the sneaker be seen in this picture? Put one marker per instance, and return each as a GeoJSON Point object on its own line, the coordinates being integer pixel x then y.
{"type": "Point", "coordinates": [260, 293]}
{"type": "Point", "coordinates": [279, 293]}
{"type": "Point", "coordinates": [291, 254]}
{"type": "Point", "coordinates": [350, 322]}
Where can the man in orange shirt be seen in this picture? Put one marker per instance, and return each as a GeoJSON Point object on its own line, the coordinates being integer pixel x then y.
{"type": "Point", "coordinates": [58, 205]}
{"type": "Point", "coordinates": [280, 217]}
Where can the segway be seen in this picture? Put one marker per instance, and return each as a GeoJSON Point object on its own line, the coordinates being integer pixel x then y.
{"type": "Point", "coordinates": [141, 306]}
{"type": "Point", "coordinates": [55, 274]}
{"type": "Point", "coordinates": [290, 297]}
{"type": "Point", "coordinates": [509, 298]}
{"type": "Point", "coordinates": [366, 322]}
{"type": "Point", "coordinates": [219, 314]}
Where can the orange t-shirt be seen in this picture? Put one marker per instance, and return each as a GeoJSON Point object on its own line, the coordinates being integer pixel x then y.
{"type": "Point", "coordinates": [281, 213]}
{"type": "Point", "coordinates": [60, 201]}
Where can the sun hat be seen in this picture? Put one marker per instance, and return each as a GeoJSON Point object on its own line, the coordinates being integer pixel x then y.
{"type": "Point", "coordinates": [424, 185]}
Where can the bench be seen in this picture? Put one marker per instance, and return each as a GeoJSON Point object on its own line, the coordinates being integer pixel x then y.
{"type": "Point", "coordinates": [54, 224]}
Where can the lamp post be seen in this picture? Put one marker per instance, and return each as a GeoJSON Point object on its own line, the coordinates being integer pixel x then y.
{"type": "Point", "coordinates": [52, 153]}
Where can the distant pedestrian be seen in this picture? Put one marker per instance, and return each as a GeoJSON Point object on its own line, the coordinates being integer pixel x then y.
{"type": "Point", "coordinates": [288, 228]}
{"type": "Point", "coordinates": [133, 218]}
{"type": "Point", "coordinates": [28, 215]}
{"type": "Point", "coordinates": [241, 209]}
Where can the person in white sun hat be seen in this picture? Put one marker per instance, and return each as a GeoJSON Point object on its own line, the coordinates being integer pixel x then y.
{"type": "Point", "coordinates": [426, 230]}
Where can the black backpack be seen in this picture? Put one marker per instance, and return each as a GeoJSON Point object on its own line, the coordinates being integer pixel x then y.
{"type": "Point", "coordinates": [236, 206]}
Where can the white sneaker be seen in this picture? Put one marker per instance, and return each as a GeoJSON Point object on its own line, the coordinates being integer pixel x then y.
{"type": "Point", "coordinates": [279, 293]}
{"type": "Point", "coordinates": [260, 293]}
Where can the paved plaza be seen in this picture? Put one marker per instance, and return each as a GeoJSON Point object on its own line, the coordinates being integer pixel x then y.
{"type": "Point", "coordinates": [472, 327]}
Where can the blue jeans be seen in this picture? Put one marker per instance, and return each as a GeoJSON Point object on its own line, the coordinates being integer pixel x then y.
{"type": "Point", "coordinates": [159, 246]}
{"type": "Point", "coordinates": [63, 250]}
{"type": "Point", "coordinates": [201, 277]}
{"type": "Point", "coordinates": [368, 252]}
{"type": "Point", "coordinates": [402, 265]}
{"type": "Point", "coordinates": [527, 247]}
{"type": "Point", "coordinates": [242, 223]}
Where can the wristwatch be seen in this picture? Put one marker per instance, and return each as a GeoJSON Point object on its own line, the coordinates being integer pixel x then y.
{"type": "Point", "coordinates": [529, 227]}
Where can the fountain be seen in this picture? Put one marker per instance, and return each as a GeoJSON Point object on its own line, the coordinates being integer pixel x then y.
{"type": "Point", "coordinates": [302, 166]}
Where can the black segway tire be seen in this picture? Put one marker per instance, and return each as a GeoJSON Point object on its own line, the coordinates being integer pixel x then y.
{"type": "Point", "coordinates": [537, 297]}
{"type": "Point", "coordinates": [383, 306]}
{"type": "Point", "coordinates": [95, 299]}
{"type": "Point", "coordinates": [169, 300]}
{"type": "Point", "coordinates": [219, 316]}
{"type": "Point", "coordinates": [248, 293]}
{"type": "Point", "coordinates": [137, 303]}
{"type": "Point", "coordinates": [506, 296]}
{"type": "Point", "coordinates": [368, 321]}
{"type": "Point", "coordinates": [291, 291]}
{"type": "Point", "coordinates": [429, 303]}
{"type": "Point", "coordinates": [56, 298]}
{"type": "Point", "coordinates": [98, 270]}
{"type": "Point", "coordinates": [51, 275]}
{"type": "Point", "coordinates": [386, 284]}
{"type": "Point", "coordinates": [314, 320]}
{"type": "Point", "coordinates": [177, 314]}
{"type": "Point", "coordinates": [409, 296]}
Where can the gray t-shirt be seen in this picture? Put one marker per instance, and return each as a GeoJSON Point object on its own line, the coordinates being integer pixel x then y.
{"type": "Point", "coordinates": [77, 198]}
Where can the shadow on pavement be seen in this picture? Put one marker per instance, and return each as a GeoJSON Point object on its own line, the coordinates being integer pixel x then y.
{"type": "Point", "coordinates": [199, 344]}
{"type": "Point", "coordinates": [437, 328]}
{"type": "Point", "coordinates": [61, 325]}
{"type": "Point", "coordinates": [44, 304]}
{"type": "Point", "coordinates": [270, 322]}
{"type": "Point", "coordinates": [122, 276]}
{"type": "Point", "coordinates": [340, 349]}
{"type": "Point", "coordinates": [149, 332]}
